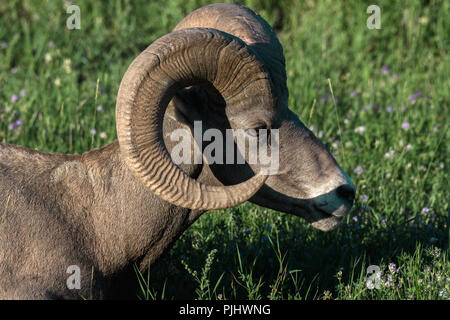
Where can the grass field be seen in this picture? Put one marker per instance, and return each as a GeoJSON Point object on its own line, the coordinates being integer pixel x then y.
{"type": "Point", "coordinates": [379, 99]}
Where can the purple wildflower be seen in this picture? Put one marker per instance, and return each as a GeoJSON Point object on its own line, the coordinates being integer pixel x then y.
{"type": "Point", "coordinates": [395, 76]}
{"type": "Point", "coordinates": [4, 45]}
{"type": "Point", "coordinates": [368, 108]}
{"type": "Point", "coordinates": [353, 94]}
{"type": "Point", "coordinates": [383, 220]}
{"type": "Point", "coordinates": [405, 125]}
{"type": "Point", "coordinates": [15, 125]}
{"type": "Point", "coordinates": [412, 98]}
{"type": "Point", "coordinates": [324, 98]}
{"type": "Point", "coordinates": [426, 210]}
{"type": "Point", "coordinates": [14, 70]}
{"type": "Point", "coordinates": [364, 198]}
{"type": "Point", "coordinates": [359, 170]}
{"type": "Point", "coordinates": [93, 132]}
{"type": "Point", "coordinates": [14, 98]}
{"type": "Point", "coordinates": [99, 108]}
{"type": "Point", "coordinates": [23, 92]}
{"type": "Point", "coordinates": [355, 218]}
{"type": "Point", "coordinates": [389, 109]}
{"type": "Point", "coordinates": [385, 70]}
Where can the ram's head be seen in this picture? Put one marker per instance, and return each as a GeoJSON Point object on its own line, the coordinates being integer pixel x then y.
{"type": "Point", "coordinates": [224, 67]}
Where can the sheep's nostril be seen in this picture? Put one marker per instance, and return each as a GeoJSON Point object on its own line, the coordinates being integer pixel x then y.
{"type": "Point", "coordinates": [347, 191]}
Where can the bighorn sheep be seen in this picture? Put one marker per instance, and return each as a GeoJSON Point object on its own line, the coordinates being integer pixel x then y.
{"type": "Point", "coordinates": [126, 203]}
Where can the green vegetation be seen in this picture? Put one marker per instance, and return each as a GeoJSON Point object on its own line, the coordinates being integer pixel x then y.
{"type": "Point", "coordinates": [387, 124]}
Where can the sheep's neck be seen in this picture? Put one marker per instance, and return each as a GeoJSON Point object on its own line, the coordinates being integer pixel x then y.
{"type": "Point", "coordinates": [131, 225]}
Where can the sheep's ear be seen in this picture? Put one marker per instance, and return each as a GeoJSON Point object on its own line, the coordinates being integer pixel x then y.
{"type": "Point", "coordinates": [175, 114]}
{"type": "Point", "coordinates": [186, 107]}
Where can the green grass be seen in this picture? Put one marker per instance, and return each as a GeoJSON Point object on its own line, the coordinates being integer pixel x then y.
{"type": "Point", "coordinates": [249, 252]}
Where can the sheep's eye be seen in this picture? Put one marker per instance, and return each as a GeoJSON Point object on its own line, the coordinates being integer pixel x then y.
{"type": "Point", "coordinates": [252, 132]}
{"type": "Point", "coordinates": [255, 132]}
{"type": "Point", "coordinates": [256, 128]}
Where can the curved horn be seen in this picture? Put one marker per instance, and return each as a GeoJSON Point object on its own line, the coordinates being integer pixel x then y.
{"type": "Point", "coordinates": [250, 27]}
{"type": "Point", "coordinates": [180, 59]}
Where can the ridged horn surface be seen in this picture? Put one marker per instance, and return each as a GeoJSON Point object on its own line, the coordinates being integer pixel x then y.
{"type": "Point", "coordinates": [196, 56]}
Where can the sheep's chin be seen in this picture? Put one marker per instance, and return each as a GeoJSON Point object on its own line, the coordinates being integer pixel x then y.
{"type": "Point", "coordinates": [327, 224]}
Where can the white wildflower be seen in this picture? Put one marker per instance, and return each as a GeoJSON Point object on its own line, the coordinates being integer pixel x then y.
{"type": "Point", "coordinates": [360, 130]}
{"type": "Point", "coordinates": [389, 154]}
{"type": "Point", "coordinates": [48, 57]}
{"type": "Point", "coordinates": [67, 65]}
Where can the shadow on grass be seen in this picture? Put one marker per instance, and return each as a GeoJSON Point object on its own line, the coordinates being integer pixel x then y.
{"type": "Point", "coordinates": [291, 247]}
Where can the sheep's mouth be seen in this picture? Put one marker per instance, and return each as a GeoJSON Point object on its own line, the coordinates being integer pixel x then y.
{"type": "Point", "coordinates": [315, 215]}
{"type": "Point", "coordinates": [326, 214]}
{"type": "Point", "coordinates": [323, 220]}
{"type": "Point", "coordinates": [339, 212]}
{"type": "Point", "coordinates": [306, 209]}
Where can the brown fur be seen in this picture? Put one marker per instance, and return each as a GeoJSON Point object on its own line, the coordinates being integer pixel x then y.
{"type": "Point", "coordinates": [89, 211]}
